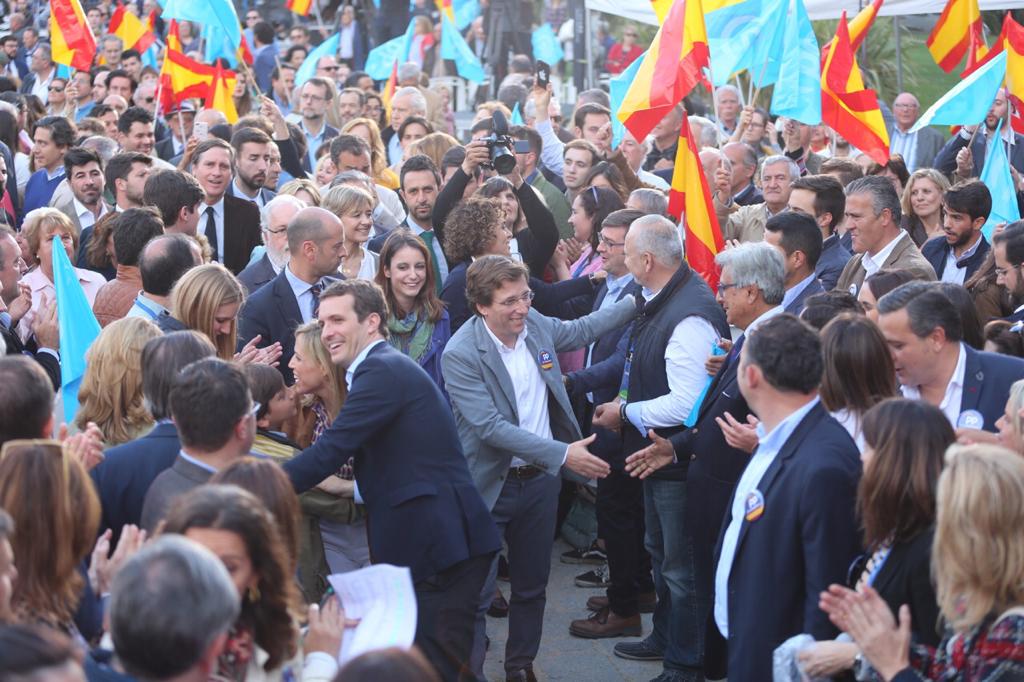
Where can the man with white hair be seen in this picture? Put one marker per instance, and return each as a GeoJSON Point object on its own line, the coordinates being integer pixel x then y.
{"type": "Point", "coordinates": [727, 99]}
{"type": "Point", "coordinates": [407, 101]}
{"type": "Point", "coordinates": [746, 223]}
{"type": "Point", "coordinates": [918, 148]}
{"type": "Point", "coordinates": [274, 219]}
{"type": "Point", "coordinates": [662, 379]}
{"type": "Point", "coordinates": [409, 75]}
{"type": "Point", "coordinates": [636, 153]}
{"type": "Point", "coordinates": [744, 167]}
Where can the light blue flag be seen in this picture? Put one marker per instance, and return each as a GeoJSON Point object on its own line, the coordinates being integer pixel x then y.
{"type": "Point", "coordinates": [747, 35]}
{"type": "Point", "coordinates": [517, 116]}
{"type": "Point", "coordinates": [218, 46]}
{"type": "Point", "coordinates": [381, 60]}
{"type": "Point", "coordinates": [797, 93]}
{"type": "Point", "coordinates": [454, 47]}
{"type": "Point", "coordinates": [78, 327]}
{"type": "Point", "coordinates": [618, 86]}
{"type": "Point", "coordinates": [969, 101]}
{"type": "Point", "coordinates": [996, 176]}
{"type": "Point", "coordinates": [308, 68]}
{"type": "Point", "coordinates": [465, 12]}
{"type": "Point", "coordinates": [218, 13]}
{"type": "Point", "coordinates": [546, 47]}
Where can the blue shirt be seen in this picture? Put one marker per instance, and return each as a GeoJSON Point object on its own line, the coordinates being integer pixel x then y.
{"type": "Point", "coordinates": [904, 144]}
{"type": "Point", "coordinates": [796, 290]}
{"type": "Point", "coordinates": [313, 143]}
{"type": "Point", "coordinates": [768, 447]}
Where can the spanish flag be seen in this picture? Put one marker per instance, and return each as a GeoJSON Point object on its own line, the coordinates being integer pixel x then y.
{"type": "Point", "coordinates": [389, 89]}
{"type": "Point", "coordinates": [858, 27]}
{"type": "Point", "coordinates": [671, 68]}
{"type": "Point", "coordinates": [181, 77]}
{"type": "Point", "coordinates": [130, 29]}
{"type": "Point", "coordinates": [71, 39]}
{"type": "Point", "coordinates": [846, 106]}
{"type": "Point", "coordinates": [1011, 39]}
{"type": "Point", "coordinates": [221, 94]}
{"type": "Point", "coordinates": [951, 36]}
{"type": "Point", "coordinates": [173, 37]}
{"type": "Point", "coordinates": [300, 7]}
{"type": "Point", "coordinates": [689, 200]}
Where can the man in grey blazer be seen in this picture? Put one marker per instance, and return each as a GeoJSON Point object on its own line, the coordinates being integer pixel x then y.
{"type": "Point", "coordinates": [518, 431]}
{"type": "Point", "coordinates": [919, 148]}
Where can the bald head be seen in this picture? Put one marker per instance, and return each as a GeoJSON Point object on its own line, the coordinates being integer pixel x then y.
{"type": "Point", "coordinates": [316, 242]}
{"type": "Point", "coordinates": [711, 159]}
{"type": "Point", "coordinates": [905, 109]}
{"type": "Point", "coordinates": [164, 260]}
{"type": "Point", "coordinates": [211, 117]}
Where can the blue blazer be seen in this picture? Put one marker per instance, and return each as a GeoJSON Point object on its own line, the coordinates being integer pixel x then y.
{"type": "Point", "coordinates": [936, 250]}
{"type": "Point", "coordinates": [987, 381]}
{"type": "Point", "coordinates": [796, 306]}
{"type": "Point", "coordinates": [423, 510]}
{"type": "Point", "coordinates": [256, 274]}
{"type": "Point", "coordinates": [831, 262]}
{"type": "Point", "coordinates": [431, 361]}
{"type": "Point", "coordinates": [803, 541]}
{"type": "Point", "coordinates": [126, 472]}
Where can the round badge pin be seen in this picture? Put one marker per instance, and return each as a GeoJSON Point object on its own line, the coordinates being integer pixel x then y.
{"type": "Point", "coordinates": [970, 419]}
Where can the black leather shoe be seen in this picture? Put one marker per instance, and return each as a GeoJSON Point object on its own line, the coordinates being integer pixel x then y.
{"type": "Point", "coordinates": [499, 606]}
{"type": "Point", "coordinates": [638, 651]}
{"type": "Point", "coordinates": [524, 675]}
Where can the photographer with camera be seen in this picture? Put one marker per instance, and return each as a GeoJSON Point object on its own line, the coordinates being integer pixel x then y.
{"type": "Point", "coordinates": [537, 234]}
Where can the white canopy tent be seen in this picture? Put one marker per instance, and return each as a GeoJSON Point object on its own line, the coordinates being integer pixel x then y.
{"type": "Point", "coordinates": [640, 10]}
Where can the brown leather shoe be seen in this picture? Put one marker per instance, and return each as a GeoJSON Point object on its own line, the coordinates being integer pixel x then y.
{"type": "Point", "coordinates": [605, 623]}
{"type": "Point", "coordinates": [524, 675]}
{"type": "Point", "coordinates": [645, 602]}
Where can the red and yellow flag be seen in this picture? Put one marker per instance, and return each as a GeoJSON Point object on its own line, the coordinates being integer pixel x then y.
{"type": "Point", "coordinates": [181, 77]}
{"type": "Point", "coordinates": [671, 68]}
{"type": "Point", "coordinates": [1011, 39]}
{"type": "Point", "coordinates": [173, 37]}
{"type": "Point", "coordinates": [244, 54]}
{"type": "Point", "coordinates": [300, 7]}
{"type": "Point", "coordinates": [221, 95]}
{"type": "Point", "coordinates": [951, 36]}
{"type": "Point", "coordinates": [389, 89]}
{"type": "Point", "coordinates": [71, 38]}
{"type": "Point", "coordinates": [130, 29]}
{"type": "Point", "coordinates": [846, 106]}
{"type": "Point", "coordinates": [689, 200]}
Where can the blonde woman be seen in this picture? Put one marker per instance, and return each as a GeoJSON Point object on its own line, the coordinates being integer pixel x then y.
{"type": "Point", "coordinates": [922, 204]}
{"type": "Point", "coordinates": [303, 189]}
{"type": "Point", "coordinates": [977, 562]}
{"type": "Point", "coordinates": [369, 132]}
{"type": "Point", "coordinates": [354, 206]}
{"type": "Point", "coordinates": [111, 392]}
{"type": "Point", "coordinates": [320, 386]}
{"type": "Point", "coordinates": [433, 146]}
{"type": "Point", "coordinates": [207, 299]}
{"type": "Point", "coordinates": [38, 231]}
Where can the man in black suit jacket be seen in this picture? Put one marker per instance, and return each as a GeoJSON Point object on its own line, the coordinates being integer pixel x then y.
{"type": "Point", "coordinates": [230, 224]}
{"type": "Point", "coordinates": [274, 219]}
{"type": "Point", "coordinates": [316, 243]}
{"type": "Point", "coordinates": [798, 239]}
{"type": "Point", "coordinates": [128, 470]}
{"type": "Point", "coordinates": [791, 531]}
{"type": "Point", "coordinates": [946, 160]}
{"type": "Point", "coordinates": [44, 346]}
{"type": "Point", "coordinates": [925, 335]}
{"type": "Point", "coordinates": [425, 513]}
{"type": "Point", "coordinates": [959, 253]}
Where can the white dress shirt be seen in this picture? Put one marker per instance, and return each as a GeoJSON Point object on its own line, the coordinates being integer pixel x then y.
{"type": "Point", "coordinates": [953, 274]}
{"type": "Point", "coordinates": [950, 404]}
{"type": "Point", "coordinates": [347, 40]}
{"type": "Point", "coordinates": [41, 86]}
{"type": "Point", "coordinates": [218, 218]}
{"type": "Point", "coordinates": [349, 373]}
{"type": "Point", "coordinates": [531, 391]}
{"type": "Point", "coordinates": [552, 148]}
{"type": "Point", "coordinates": [86, 218]}
{"type": "Point", "coordinates": [873, 264]}
{"type": "Point", "coordinates": [768, 447]}
{"type": "Point", "coordinates": [442, 263]}
{"type": "Point", "coordinates": [303, 293]}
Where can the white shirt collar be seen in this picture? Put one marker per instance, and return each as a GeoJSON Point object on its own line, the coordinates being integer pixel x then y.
{"type": "Point", "coordinates": [218, 208]}
{"type": "Point", "coordinates": [873, 264]}
{"type": "Point", "coordinates": [351, 371]}
{"type": "Point", "coordinates": [502, 348]}
{"type": "Point", "coordinates": [954, 389]}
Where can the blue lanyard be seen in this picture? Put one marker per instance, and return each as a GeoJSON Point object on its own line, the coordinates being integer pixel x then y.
{"type": "Point", "coordinates": [153, 315]}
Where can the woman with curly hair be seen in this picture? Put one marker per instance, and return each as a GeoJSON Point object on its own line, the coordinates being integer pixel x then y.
{"type": "Point", "coordinates": [264, 643]}
{"type": "Point", "coordinates": [111, 392]}
{"type": "Point", "coordinates": [527, 218]}
{"type": "Point", "coordinates": [369, 131]}
{"type": "Point", "coordinates": [477, 227]}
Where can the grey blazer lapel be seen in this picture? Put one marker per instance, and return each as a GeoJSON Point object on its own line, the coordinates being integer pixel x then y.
{"type": "Point", "coordinates": [493, 364]}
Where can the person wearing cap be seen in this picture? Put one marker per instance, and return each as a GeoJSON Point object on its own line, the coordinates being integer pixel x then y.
{"type": "Point", "coordinates": [180, 120]}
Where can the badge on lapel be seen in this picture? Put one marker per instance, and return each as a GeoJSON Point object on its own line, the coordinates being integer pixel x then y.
{"type": "Point", "coordinates": [970, 419]}
{"type": "Point", "coordinates": [544, 358]}
{"type": "Point", "coordinates": [754, 506]}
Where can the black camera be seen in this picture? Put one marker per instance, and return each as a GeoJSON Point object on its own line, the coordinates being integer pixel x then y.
{"type": "Point", "coordinates": [502, 146]}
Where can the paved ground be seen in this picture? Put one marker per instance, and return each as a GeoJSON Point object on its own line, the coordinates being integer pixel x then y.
{"type": "Point", "coordinates": [562, 656]}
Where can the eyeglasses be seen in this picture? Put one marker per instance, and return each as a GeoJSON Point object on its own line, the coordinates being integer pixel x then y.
{"type": "Point", "coordinates": [608, 242]}
{"type": "Point", "coordinates": [526, 298]}
{"type": "Point", "coordinates": [55, 88]}
{"type": "Point", "coordinates": [280, 230]}
{"type": "Point", "coordinates": [723, 287]}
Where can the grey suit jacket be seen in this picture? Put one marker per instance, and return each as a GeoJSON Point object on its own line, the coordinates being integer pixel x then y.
{"type": "Point", "coordinates": [182, 477]}
{"type": "Point", "coordinates": [484, 399]}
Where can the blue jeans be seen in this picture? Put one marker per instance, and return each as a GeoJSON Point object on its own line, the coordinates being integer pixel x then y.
{"type": "Point", "coordinates": [678, 625]}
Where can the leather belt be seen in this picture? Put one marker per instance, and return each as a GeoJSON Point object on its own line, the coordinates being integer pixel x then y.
{"type": "Point", "coordinates": [523, 473]}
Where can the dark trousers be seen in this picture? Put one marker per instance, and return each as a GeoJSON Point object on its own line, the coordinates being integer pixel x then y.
{"type": "Point", "coordinates": [446, 615]}
{"type": "Point", "coordinates": [620, 523]}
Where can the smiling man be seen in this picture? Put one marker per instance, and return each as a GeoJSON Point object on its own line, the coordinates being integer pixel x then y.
{"type": "Point", "coordinates": [231, 225]}
{"type": "Point", "coordinates": [777, 176]}
{"type": "Point", "coordinates": [410, 472]}
{"type": "Point", "coordinates": [84, 171]}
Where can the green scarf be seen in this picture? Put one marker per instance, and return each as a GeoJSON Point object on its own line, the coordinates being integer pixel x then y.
{"type": "Point", "coordinates": [411, 335]}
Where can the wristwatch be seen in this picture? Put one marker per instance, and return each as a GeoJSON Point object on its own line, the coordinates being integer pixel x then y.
{"type": "Point", "coordinates": [622, 412]}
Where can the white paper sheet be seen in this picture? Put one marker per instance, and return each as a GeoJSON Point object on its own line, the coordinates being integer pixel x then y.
{"type": "Point", "coordinates": [382, 598]}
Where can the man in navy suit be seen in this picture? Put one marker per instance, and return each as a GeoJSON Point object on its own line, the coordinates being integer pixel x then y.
{"type": "Point", "coordinates": [316, 246]}
{"type": "Point", "coordinates": [425, 513]}
{"type": "Point", "coordinates": [798, 239]}
{"type": "Point", "coordinates": [791, 530]}
{"type": "Point", "coordinates": [252, 163]}
{"type": "Point", "coordinates": [265, 57]}
{"type": "Point", "coordinates": [925, 335]}
{"type": "Point", "coordinates": [1008, 252]}
{"type": "Point", "coordinates": [712, 458]}
{"type": "Point", "coordinates": [822, 198]}
{"type": "Point", "coordinates": [960, 251]}
{"type": "Point", "coordinates": [127, 470]}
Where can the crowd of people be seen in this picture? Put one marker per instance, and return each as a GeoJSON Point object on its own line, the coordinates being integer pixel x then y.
{"type": "Point", "coordinates": [334, 334]}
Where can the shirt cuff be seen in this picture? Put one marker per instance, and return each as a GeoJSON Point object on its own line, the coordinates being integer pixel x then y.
{"type": "Point", "coordinates": [565, 456]}
{"type": "Point", "coordinates": [50, 351]}
{"type": "Point", "coordinates": [319, 665]}
{"type": "Point", "coordinates": [355, 493]}
{"type": "Point", "coordinates": [633, 414]}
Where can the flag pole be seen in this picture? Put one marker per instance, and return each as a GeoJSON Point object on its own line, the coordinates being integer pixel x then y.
{"type": "Point", "coordinates": [714, 104]}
